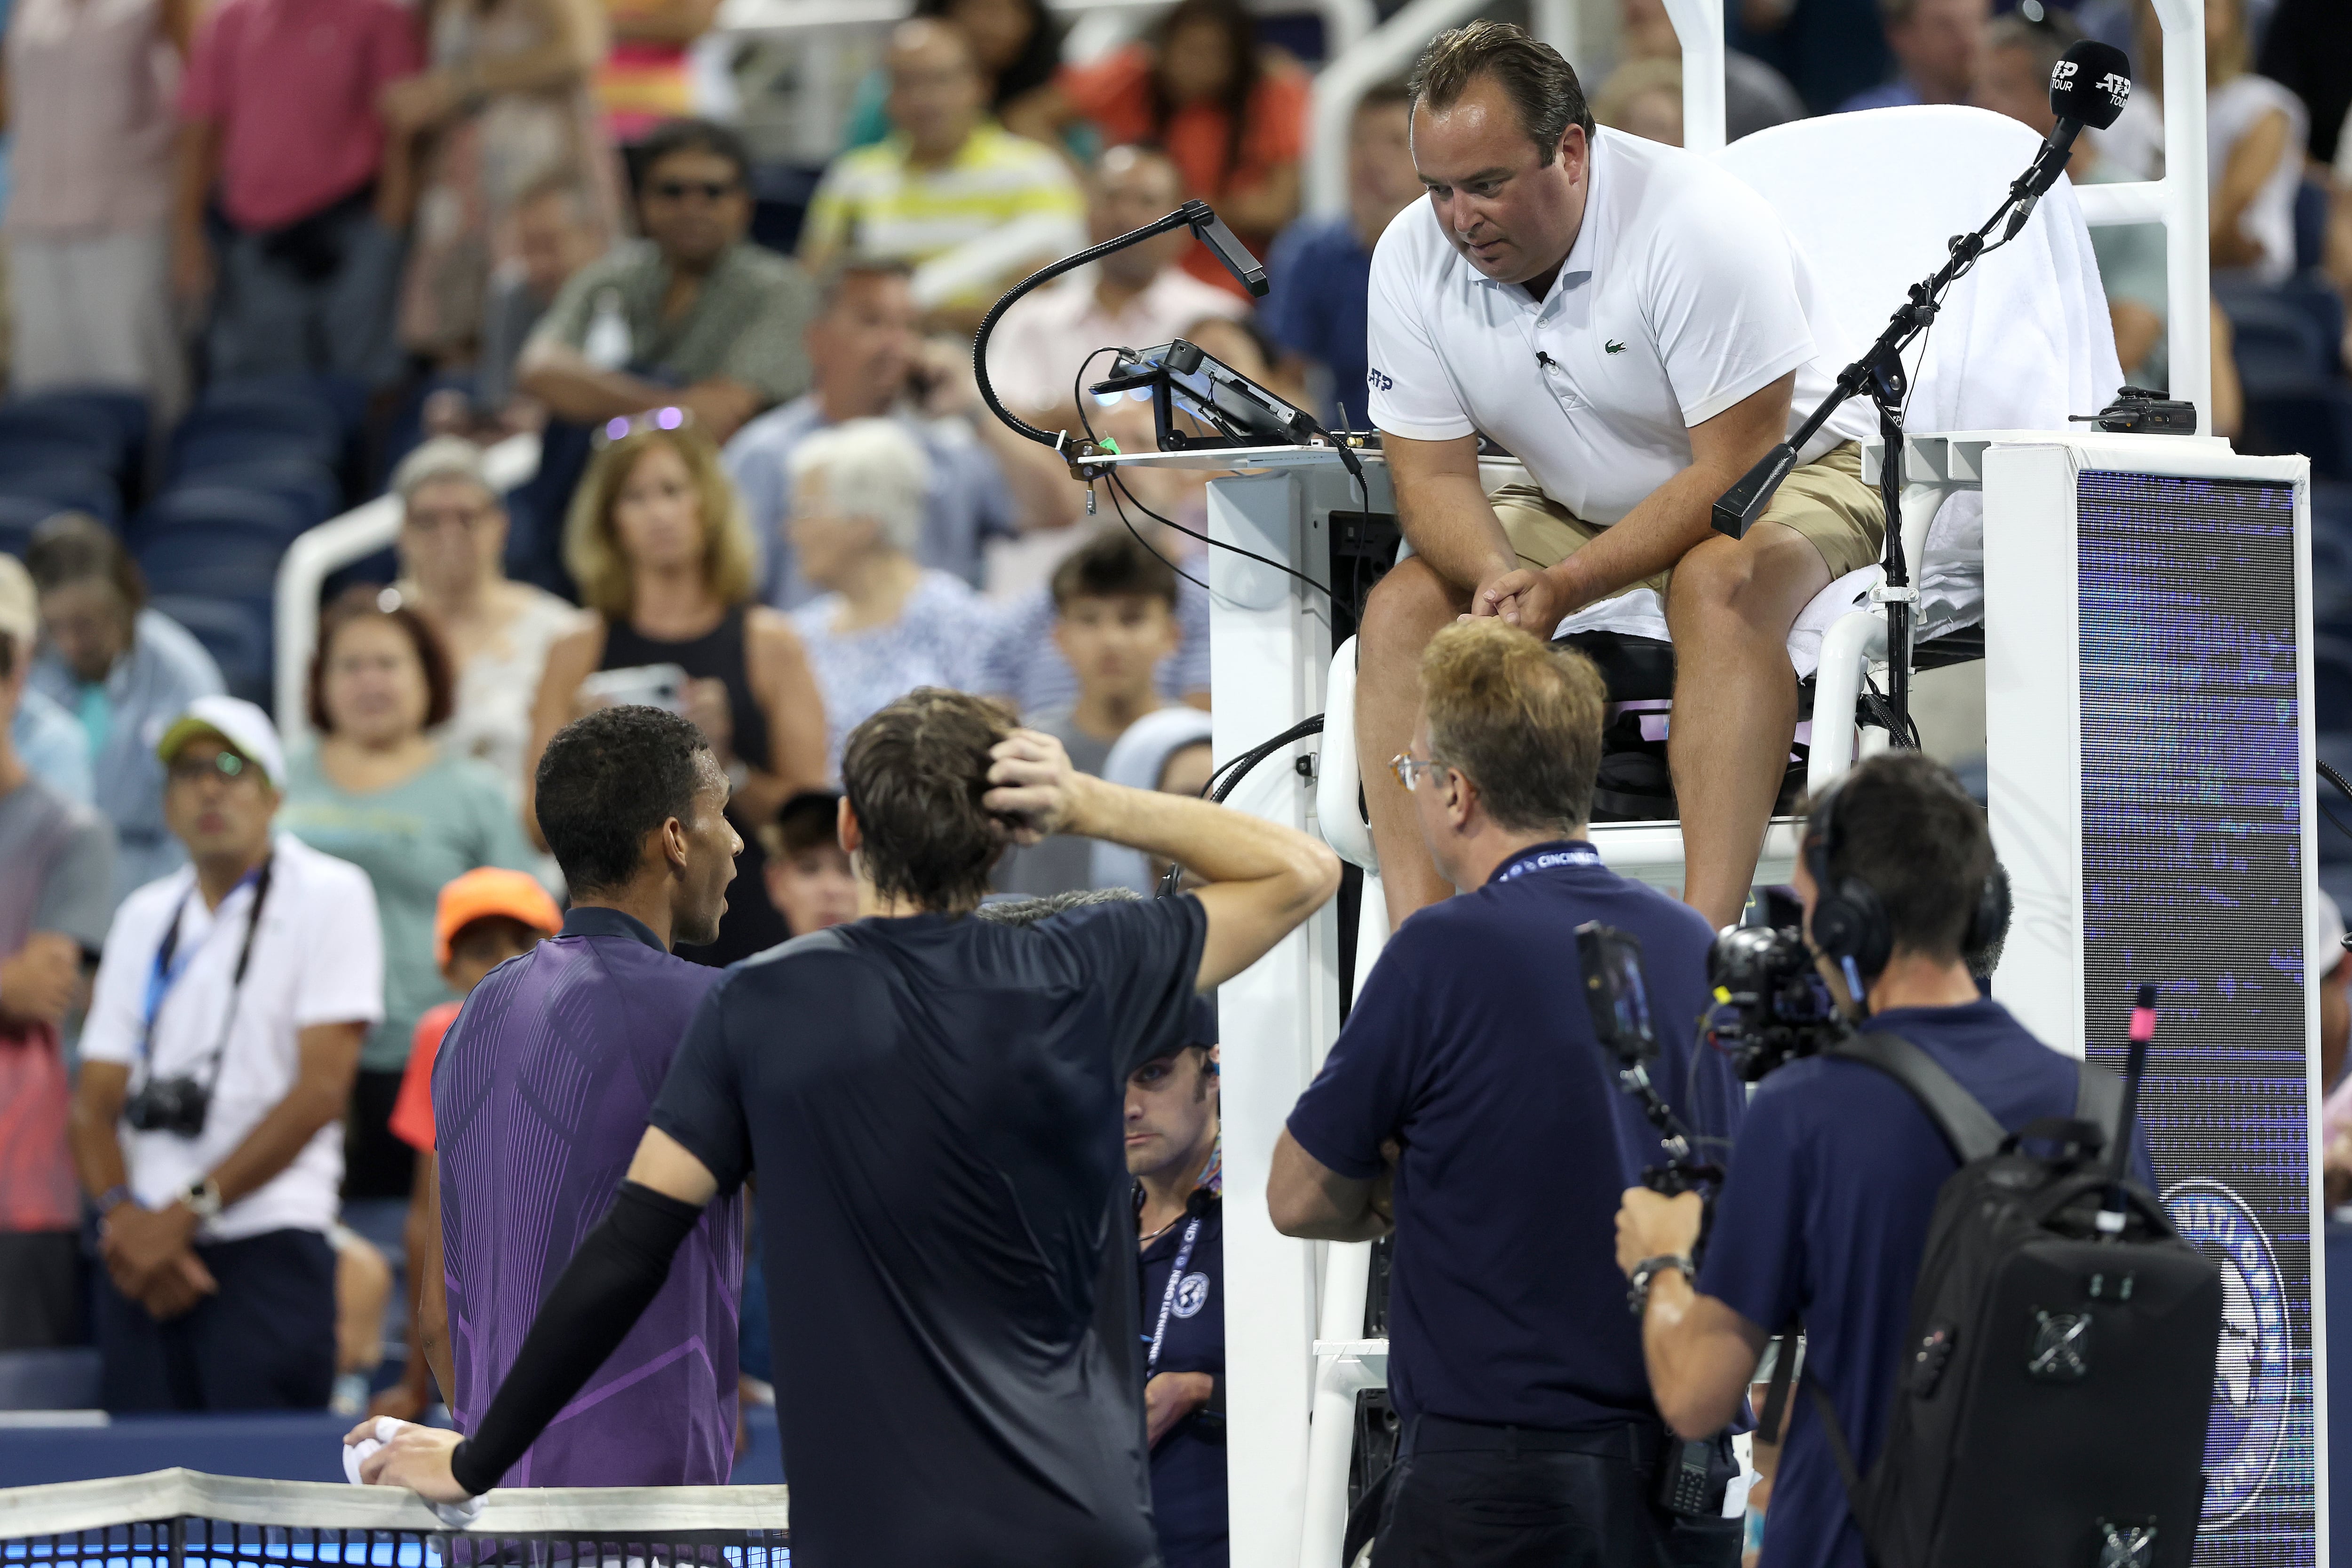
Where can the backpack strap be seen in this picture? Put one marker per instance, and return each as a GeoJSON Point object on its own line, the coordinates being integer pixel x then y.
{"type": "Point", "coordinates": [1843, 1455]}
{"type": "Point", "coordinates": [2099, 1100]}
{"type": "Point", "coordinates": [1966, 1125]}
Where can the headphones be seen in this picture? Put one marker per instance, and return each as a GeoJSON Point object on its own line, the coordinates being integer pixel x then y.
{"type": "Point", "coordinates": [1849, 923]}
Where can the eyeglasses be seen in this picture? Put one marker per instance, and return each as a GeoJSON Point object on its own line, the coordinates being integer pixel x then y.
{"type": "Point", "coordinates": [1404, 765]}
{"type": "Point", "coordinates": [220, 764]}
{"type": "Point", "coordinates": [619, 427]}
{"type": "Point", "coordinates": [708, 190]}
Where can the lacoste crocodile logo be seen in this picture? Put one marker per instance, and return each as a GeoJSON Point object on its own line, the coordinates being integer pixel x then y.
{"type": "Point", "coordinates": [1613, 348]}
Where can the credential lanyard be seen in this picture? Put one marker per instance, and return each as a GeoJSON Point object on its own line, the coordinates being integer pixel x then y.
{"type": "Point", "coordinates": [166, 973]}
{"type": "Point", "coordinates": [1551, 857]}
{"type": "Point", "coordinates": [1168, 1296]}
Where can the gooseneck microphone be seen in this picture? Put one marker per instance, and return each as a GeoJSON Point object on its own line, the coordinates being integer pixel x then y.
{"type": "Point", "coordinates": [2088, 86]}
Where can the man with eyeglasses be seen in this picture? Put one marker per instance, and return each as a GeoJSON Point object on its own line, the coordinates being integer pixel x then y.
{"type": "Point", "coordinates": [694, 314]}
{"type": "Point", "coordinates": [1467, 1108]}
{"type": "Point", "coordinates": [223, 1031]}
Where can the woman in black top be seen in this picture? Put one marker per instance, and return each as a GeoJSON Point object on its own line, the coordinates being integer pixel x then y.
{"type": "Point", "coordinates": [657, 543]}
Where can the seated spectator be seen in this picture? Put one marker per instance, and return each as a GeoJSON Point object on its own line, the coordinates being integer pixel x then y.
{"type": "Point", "coordinates": [1017, 45]}
{"type": "Point", "coordinates": [2254, 132]}
{"type": "Point", "coordinates": [1755, 96]}
{"type": "Point", "coordinates": [125, 671]}
{"type": "Point", "coordinates": [1168, 751]}
{"type": "Point", "coordinates": [278, 120]}
{"type": "Point", "coordinates": [505, 102]}
{"type": "Point", "coordinates": [480, 921]}
{"type": "Point", "coordinates": [220, 1284]}
{"type": "Point", "coordinates": [1938, 46]}
{"type": "Point", "coordinates": [658, 543]}
{"type": "Point", "coordinates": [1232, 114]}
{"type": "Point", "coordinates": [1642, 98]}
{"type": "Point", "coordinates": [871, 362]}
{"type": "Point", "coordinates": [90, 250]}
{"type": "Point", "coordinates": [1027, 670]}
{"type": "Point", "coordinates": [556, 231]}
{"type": "Point", "coordinates": [809, 877]}
{"type": "Point", "coordinates": [950, 187]}
{"type": "Point", "coordinates": [1321, 268]}
{"type": "Point", "coordinates": [57, 884]}
{"type": "Point", "coordinates": [2019, 56]}
{"type": "Point", "coordinates": [1115, 620]}
{"type": "Point", "coordinates": [453, 540]}
{"type": "Point", "coordinates": [883, 622]}
{"type": "Point", "coordinates": [50, 743]}
{"type": "Point", "coordinates": [378, 791]}
{"type": "Point", "coordinates": [1136, 297]}
{"type": "Point", "coordinates": [694, 314]}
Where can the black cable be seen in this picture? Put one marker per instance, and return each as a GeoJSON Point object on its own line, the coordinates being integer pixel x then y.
{"type": "Point", "coordinates": [1239, 768]}
{"type": "Point", "coordinates": [1120, 485]}
{"type": "Point", "coordinates": [2333, 777]}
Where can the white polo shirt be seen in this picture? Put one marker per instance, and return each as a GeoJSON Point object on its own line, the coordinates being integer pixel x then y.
{"type": "Point", "coordinates": [317, 958]}
{"type": "Point", "coordinates": [1682, 294]}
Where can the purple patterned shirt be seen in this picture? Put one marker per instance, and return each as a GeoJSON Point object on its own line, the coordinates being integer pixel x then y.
{"type": "Point", "coordinates": [540, 1097]}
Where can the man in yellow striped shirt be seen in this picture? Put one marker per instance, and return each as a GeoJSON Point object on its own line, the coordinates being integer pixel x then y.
{"type": "Point", "coordinates": [971, 206]}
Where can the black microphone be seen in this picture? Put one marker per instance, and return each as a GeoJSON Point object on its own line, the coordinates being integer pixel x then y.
{"type": "Point", "coordinates": [2088, 86]}
{"type": "Point", "coordinates": [1246, 269]}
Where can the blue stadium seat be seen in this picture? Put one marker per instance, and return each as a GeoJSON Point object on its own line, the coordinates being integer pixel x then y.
{"type": "Point", "coordinates": [234, 631]}
{"type": "Point", "coordinates": [66, 433]}
{"type": "Point", "coordinates": [19, 515]}
{"type": "Point", "coordinates": [208, 507]}
{"type": "Point", "coordinates": [341, 396]}
{"type": "Point", "coordinates": [195, 456]}
{"type": "Point", "coordinates": [2313, 417]}
{"type": "Point", "coordinates": [2331, 510]}
{"type": "Point", "coordinates": [2331, 688]}
{"type": "Point", "coordinates": [226, 560]}
{"type": "Point", "coordinates": [2277, 344]}
{"type": "Point", "coordinates": [302, 423]}
{"type": "Point", "coordinates": [67, 487]}
{"type": "Point", "coordinates": [308, 487]}
{"type": "Point", "coordinates": [2310, 223]}
{"type": "Point", "coordinates": [126, 412]}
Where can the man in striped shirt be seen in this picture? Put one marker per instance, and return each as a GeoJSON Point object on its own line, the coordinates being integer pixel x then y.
{"type": "Point", "coordinates": [972, 207]}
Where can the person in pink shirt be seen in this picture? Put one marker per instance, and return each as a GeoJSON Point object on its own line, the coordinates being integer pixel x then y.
{"type": "Point", "coordinates": [280, 133]}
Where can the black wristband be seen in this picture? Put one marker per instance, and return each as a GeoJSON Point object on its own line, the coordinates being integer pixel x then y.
{"type": "Point", "coordinates": [619, 1268]}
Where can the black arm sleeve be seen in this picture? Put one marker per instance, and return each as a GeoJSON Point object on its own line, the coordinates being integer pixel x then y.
{"type": "Point", "coordinates": [605, 1288]}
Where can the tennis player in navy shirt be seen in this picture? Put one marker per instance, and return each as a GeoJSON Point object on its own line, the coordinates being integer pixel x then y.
{"type": "Point", "coordinates": [1530, 1433]}
{"type": "Point", "coordinates": [1824, 1215]}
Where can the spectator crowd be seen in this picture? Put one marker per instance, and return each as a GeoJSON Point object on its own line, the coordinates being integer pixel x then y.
{"type": "Point", "coordinates": [268, 260]}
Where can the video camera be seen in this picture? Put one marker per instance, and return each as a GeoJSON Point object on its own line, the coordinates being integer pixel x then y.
{"type": "Point", "coordinates": [1772, 1005]}
{"type": "Point", "coordinates": [1620, 1004]}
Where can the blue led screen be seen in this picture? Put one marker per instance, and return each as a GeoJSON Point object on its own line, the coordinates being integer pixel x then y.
{"type": "Point", "coordinates": [2192, 879]}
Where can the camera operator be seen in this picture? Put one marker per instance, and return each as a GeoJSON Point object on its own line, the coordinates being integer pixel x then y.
{"type": "Point", "coordinates": [223, 1031]}
{"type": "Point", "coordinates": [1529, 1435]}
{"type": "Point", "coordinates": [1823, 1216]}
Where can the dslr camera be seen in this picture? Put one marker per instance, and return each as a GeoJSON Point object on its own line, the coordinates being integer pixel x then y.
{"type": "Point", "coordinates": [174, 1105]}
{"type": "Point", "coordinates": [1772, 1005]}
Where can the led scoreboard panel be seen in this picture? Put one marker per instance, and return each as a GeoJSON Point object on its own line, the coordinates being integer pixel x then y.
{"type": "Point", "coordinates": [2149, 747]}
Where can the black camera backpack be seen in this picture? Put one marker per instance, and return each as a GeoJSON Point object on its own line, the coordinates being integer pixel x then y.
{"type": "Point", "coordinates": [2049, 1410]}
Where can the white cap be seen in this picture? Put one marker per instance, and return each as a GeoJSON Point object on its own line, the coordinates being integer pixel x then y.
{"type": "Point", "coordinates": [2326, 936]}
{"type": "Point", "coordinates": [245, 728]}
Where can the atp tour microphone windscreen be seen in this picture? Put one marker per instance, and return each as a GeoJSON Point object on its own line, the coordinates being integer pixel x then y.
{"type": "Point", "coordinates": [2090, 84]}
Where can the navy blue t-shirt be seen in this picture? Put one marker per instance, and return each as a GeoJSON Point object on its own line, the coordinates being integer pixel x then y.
{"type": "Point", "coordinates": [1321, 281]}
{"type": "Point", "coordinates": [1825, 1218]}
{"type": "Point", "coordinates": [1188, 1466]}
{"type": "Point", "coordinates": [932, 1107]}
{"type": "Point", "coordinates": [1471, 1046]}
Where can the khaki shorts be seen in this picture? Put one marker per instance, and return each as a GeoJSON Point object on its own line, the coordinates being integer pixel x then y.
{"type": "Point", "coordinates": [1825, 500]}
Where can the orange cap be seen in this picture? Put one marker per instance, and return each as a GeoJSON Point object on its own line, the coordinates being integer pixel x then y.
{"type": "Point", "coordinates": [487, 891]}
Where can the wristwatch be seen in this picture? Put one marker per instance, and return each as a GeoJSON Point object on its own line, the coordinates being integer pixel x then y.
{"type": "Point", "coordinates": [114, 1196]}
{"type": "Point", "coordinates": [1638, 1296]}
{"type": "Point", "coordinates": [203, 1197]}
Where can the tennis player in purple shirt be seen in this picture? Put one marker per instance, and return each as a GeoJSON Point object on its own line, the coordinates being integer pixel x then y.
{"type": "Point", "coordinates": [541, 1095]}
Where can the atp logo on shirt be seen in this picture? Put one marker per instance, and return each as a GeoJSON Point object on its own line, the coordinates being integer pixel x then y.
{"type": "Point", "coordinates": [1379, 381]}
{"type": "Point", "coordinates": [1191, 1295]}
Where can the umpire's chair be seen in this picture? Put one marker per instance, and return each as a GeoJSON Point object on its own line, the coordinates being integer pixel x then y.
{"type": "Point", "coordinates": [2022, 341]}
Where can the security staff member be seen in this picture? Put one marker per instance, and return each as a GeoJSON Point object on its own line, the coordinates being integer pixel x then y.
{"type": "Point", "coordinates": [1529, 1435]}
{"type": "Point", "coordinates": [1633, 323]}
{"type": "Point", "coordinates": [1173, 1155]}
{"type": "Point", "coordinates": [1824, 1214]}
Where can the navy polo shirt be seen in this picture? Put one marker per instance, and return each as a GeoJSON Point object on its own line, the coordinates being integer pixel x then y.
{"type": "Point", "coordinates": [1321, 281]}
{"type": "Point", "coordinates": [1470, 1046]}
{"type": "Point", "coordinates": [1825, 1218]}
{"type": "Point", "coordinates": [1188, 1466]}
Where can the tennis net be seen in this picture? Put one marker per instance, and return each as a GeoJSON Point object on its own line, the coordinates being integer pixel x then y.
{"type": "Point", "coordinates": [186, 1518]}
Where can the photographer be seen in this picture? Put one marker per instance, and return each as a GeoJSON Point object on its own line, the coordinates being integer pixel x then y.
{"type": "Point", "coordinates": [1823, 1216]}
{"type": "Point", "coordinates": [1529, 1435]}
{"type": "Point", "coordinates": [224, 1032]}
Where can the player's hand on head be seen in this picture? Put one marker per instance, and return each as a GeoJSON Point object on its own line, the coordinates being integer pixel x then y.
{"type": "Point", "coordinates": [414, 1457]}
{"type": "Point", "coordinates": [1030, 784]}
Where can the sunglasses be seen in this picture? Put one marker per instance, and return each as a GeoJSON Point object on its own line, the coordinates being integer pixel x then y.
{"type": "Point", "coordinates": [708, 190]}
{"type": "Point", "coordinates": [1405, 765]}
{"type": "Point", "coordinates": [220, 764]}
{"type": "Point", "coordinates": [622, 426]}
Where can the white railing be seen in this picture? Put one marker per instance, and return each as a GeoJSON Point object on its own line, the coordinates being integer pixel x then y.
{"type": "Point", "coordinates": [336, 543]}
